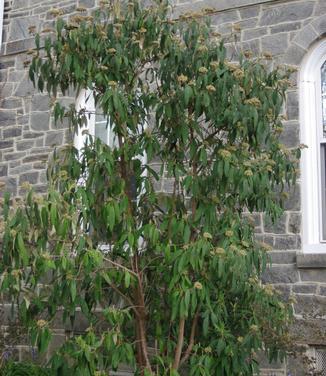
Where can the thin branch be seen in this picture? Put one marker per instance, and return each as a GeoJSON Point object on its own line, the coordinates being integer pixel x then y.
{"type": "Point", "coordinates": [191, 338]}
{"type": "Point", "coordinates": [178, 349]}
{"type": "Point", "coordinates": [121, 267]}
{"type": "Point", "coordinates": [127, 299]}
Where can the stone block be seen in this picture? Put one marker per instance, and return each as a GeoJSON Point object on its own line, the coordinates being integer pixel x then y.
{"type": "Point", "coordinates": [281, 274]}
{"type": "Point", "coordinates": [276, 44]}
{"type": "Point", "coordinates": [40, 103]}
{"type": "Point", "coordinates": [12, 132]}
{"type": "Point", "coordinates": [7, 118]}
{"type": "Point", "coordinates": [304, 288]}
{"type": "Point", "coordinates": [282, 257]}
{"type": "Point", "coordinates": [6, 64]}
{"type": "Point", "coordinates": [276, 228]}
{"type": "Point", "coordinates": [320, 25]}
{"type": "Point", "coordinates": [7, 89]}
{"type": "Point", "coordinates": [25, 88]}
{"type": "Point", "coordinates": [31, 354]}
{"type": "Point", "coordinates": [293, 202]}
{"type": "Point", "coordinates": [253, 46]}
{"type": "Point", "coordinates": [298, 366]}
{"type": "Point", "coordinates": [284, 291]}
{"type": "Point", "coordinates": [41, 165]}
{"type": "Point", "coordinates": [225, 17]}
{"type": "Point", "coordinates": [294, 224]}
{"type": "Point", "coordinates": [310, 305]}
{"type": "Point", "coordinates": [86, 3]}
{"type": "Point", "coordinates": [24, 145]}
{"type": "Point", "coordinates": [311, 331]}
{"type": "Point", "coordinates": [287, 242]}
{"type": "Point", "coordinates": [18, 4]}
{"type": "Point", "coordinates": [6, 144]}
{"type": "Point", "coordinates": [30, 177]}
{"type": "Point", "coordinates": [306, 37]}
{"type": "Point", "coordinates": [286, 27]}
{"type": "Point", "coordinates": [11, 186]}
{"type": "Point", "coordinates": [11, 103]}
{"type": "Point", "coordinates": [290, 135]}
{"type": "Point", "coordinates": [264, 362]}
{"type": "Point", "coordinates": [32, 135]}
{"type": "Point", "coordinates": [19, 46]}
{"type": "Point", "coordinates": [40, 121]}
{"type": "Point", "coordinates": [35, 158]}
{"type": "Point", "coordinates": [248, 24]}
{"type": "Point", "coordinates": [254, 218]}
{"type": "Point", "coordinates": [249, 12]}
{"type": "Point", "coordinates": [54, 138]}
{"type": "Point", "coordinates": [253, 33]}
{"type": "Point", "coordinates": [79, 325]}
{"type": "Point", "coordinates": [320, 8]}
{"type": "Point", "coordinates": [294, 55]}
{"type": "Point", "coordinates": [16, 76]}
{"type": "Point", "coordinates": [313, 275]}
{"type": "Point", "coordinates": [19, 27]}
{"type": "Point", "coordinates": [13, 156]}
{"type": "Point", "coordinates": [20, 169]}
{"type": "Point", "coordinates": [23, 120]}
{"type": "Point", "coordinates": [287, 12]}
{"type": "Point", "coordinates": [292, 105]}
{"type": "Point", "coordinates": [3, 170]}
{"type": "Point", "coordinates": [58, 339]}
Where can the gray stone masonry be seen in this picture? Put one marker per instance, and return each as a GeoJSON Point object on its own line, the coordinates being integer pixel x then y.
{"type": "Point", "coordinates": [285, 28]}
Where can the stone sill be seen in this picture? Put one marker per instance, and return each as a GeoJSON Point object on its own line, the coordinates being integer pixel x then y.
{"type": "Point", "coordinates": [311, 260]}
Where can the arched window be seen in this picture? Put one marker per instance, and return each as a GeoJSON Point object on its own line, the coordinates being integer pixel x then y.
{"type": "Point", "coordinates": [313, 162]}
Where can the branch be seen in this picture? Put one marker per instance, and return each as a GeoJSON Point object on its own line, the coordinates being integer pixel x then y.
{"type": "Point", "coordinates": [191, 338]}
{"type": "Point", "coordinates": [127, 299]}
{"type": "Point", "coordinates": [178, 349]}
{"type": "Point", "coordinates": [121, 266]}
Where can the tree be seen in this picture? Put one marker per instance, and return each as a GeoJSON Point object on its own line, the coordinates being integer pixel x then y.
{"type": "Point", "coordinates": [178, 286]}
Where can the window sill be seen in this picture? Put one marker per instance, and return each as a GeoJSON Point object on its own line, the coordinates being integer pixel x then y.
{"type": "Point", "coordinates": [311, 260]}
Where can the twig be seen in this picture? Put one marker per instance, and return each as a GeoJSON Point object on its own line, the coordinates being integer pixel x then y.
{"type": "Point", "coordinates": [121, 266]}
{"type": "Point", "coordinates": [115, 288]}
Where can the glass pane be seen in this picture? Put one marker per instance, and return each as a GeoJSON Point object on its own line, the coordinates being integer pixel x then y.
{"type": "Point", "coordinates": [323, 190]}
{"type": "Point", "coordinates": [101, 130]}
{"type": "Point", "coordinates": [323, 96]}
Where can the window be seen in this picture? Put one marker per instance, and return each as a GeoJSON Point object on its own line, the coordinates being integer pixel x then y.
{"type": "Point", "coordinates": [313, 162]}
{"type": "Point", "coordinates": [97, 124]}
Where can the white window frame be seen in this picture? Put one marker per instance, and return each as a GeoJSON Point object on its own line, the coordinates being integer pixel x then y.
{"type": "Point", "coordinates": [2, 2]}
{"type": "Point", "coordinates": [312, 136]}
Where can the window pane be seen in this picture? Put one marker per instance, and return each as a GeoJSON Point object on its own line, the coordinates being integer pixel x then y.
{"type": "Point", "coordinates": [101, 129]}
{"type": "Point", "coordinates": [323, 96]}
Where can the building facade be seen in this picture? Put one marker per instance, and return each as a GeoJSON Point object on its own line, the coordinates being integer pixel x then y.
{"type": "Point", "coordinates": [294, 32]}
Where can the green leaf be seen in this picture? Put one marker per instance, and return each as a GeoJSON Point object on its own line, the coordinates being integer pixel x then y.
{"type": "Point", "coordinates": [127, 279]}
{"type": "Point", "coordinates": [22, 249]}
{"type": "Point", "coordinates": [73, 290]}
{"type": "Point", "coordinates": [187, 94]}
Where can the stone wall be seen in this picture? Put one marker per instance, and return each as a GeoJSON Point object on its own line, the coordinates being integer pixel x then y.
{"type": "Point", "coordinates": [285, 28]}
